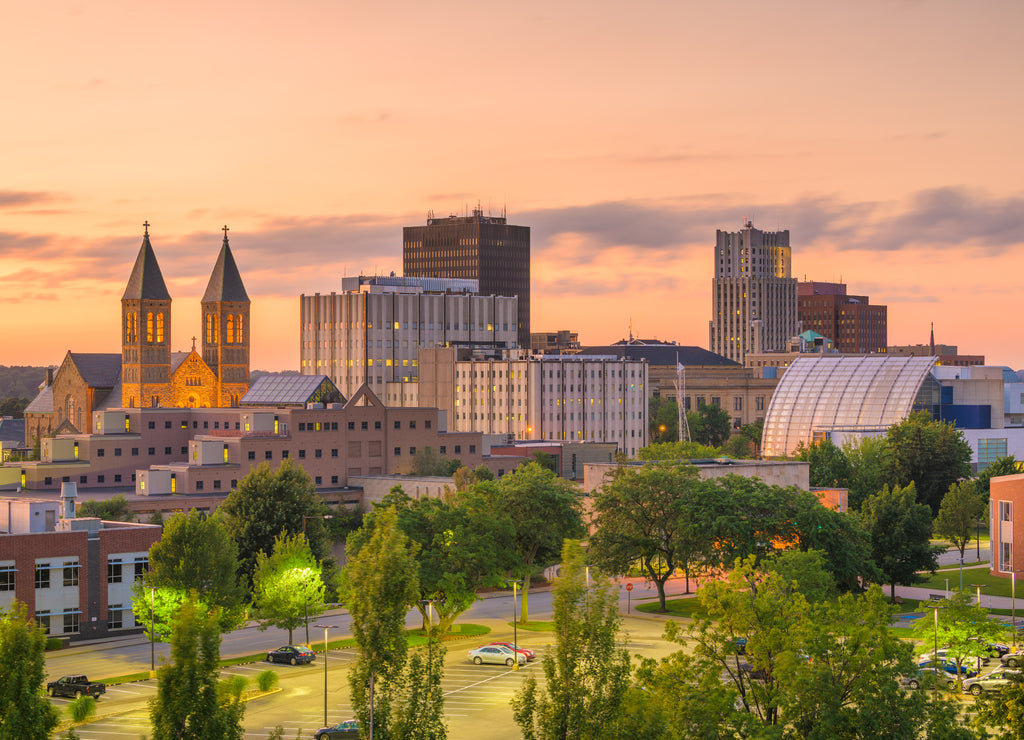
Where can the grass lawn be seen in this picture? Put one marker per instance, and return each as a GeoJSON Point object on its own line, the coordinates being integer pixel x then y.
{"type": "Point", "coordinates": [688, 608]}
{"type": "Point", "coordinates": [536, 626]}
{"type": "Point", "coordinates": [996, 585]}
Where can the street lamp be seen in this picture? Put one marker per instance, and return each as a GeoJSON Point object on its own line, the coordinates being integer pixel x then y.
{"type": "Point", "coordinates": [978, 587]}
{"type": "Point", "coordinates": [430, 629]}
{"type": "Point", "coordinates": [152, 628]}
{"type": "Point", "coordinates": [313, 516]}
{"type": "Point", "coordinates": [515, 623]}
{"type": "Point", "coordinates": [326, 627]}
{"type": "Point", "coordinates": [935, 655]}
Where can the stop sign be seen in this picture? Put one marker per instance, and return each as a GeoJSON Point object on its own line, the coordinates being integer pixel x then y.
{"type": "Point", "coordinates": [629, 586]}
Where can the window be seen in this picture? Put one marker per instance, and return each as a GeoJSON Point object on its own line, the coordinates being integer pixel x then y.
{"type": "Point", "coordinates": [100, 452]}
{"type": "Point", "coordinates": [83, 479]}
{"type": "Point", "coordinates": [365, 425]}
{"type": "Point", "coordinates": [117, 477]}
{"type": "Point", "coordinates": [334, 453]}
{"type": "Point", "coordinates": [412, 423]}
{"type": "Point", "coordinates": [113, 571]}
{"type": "Point", "coordinates": [42, 575]}
{"type": "Point", "coordinates": [427, 423]}
{"type": "Point", "coordinates": [759, 403]}
{"type": "Point", "coordinates": [141, 566]}
{"type": "Point", "coordinates": [458, 449]}
{"type": "Point", "coordinates": [152, 425]}
{"type": "Point", "coordinates": [7, 577]}
{"type": "Point", "coordinates": [184, 449]}
{"type": "Point", "coordinates": [319, 480]}
{"type": "Point", "coordinates": [990, 450]}
{"type": "Point", "coordinates": [167, 450]}
{"type": "Point", "coordinates": [268, 455]}
{"type": "Point", "coordinates": [334, 480]}
{"type": "Point", "coordinates": [737, 403]}
{"type": "Point", "coordinates": [216, 483]}
{"type": "Point", "coordinates": [352, 426]}
{"type": "Point", "coordinates": [1006, 511]}
{"type": "Point", "coordinates": [398, 424]}
{"type": "Point", "coordinates": [152, 450]}
{"type": "Point", "coordinates": [444, 450]}
{"type": "Point", "coordinates": [376, 425]}
{"type": "Point", "coordinates": [117, 452]}
{"type": "Point", "coordinates": [115, 616]}
{"type": "Point", "coordinates": [167, 424]}
{"type": "Point", "coordinates": [199, 485]}
{"type": "Point", "coordinates": [1006, 556]}
{"type": "Point", "coordinates": [252, 454]}
{"type": "Point", "coordinates": [302, 426]}
{"type": "Point", "coordinates": [135, 451]}
{"type": "Point", "coordinates": [472, 449]}
{"type": "Point", "coordinates": [48, 480]}
{"type": "Point", "coordinates": [398, 451]}
{"type": "Point", "coordinates": [284, 454]}
{"type": "Point", "coordinates": [43, 618]}
{"type": "Point", "coordinates": [317, 453]}
{"type": "Point", "coordinates": [71, 620]}
{"type": "Point", "coordinates": [70, 573]}
{"type": "Point", "coordinates": [302, 454]}
{"type": "Point", "coordinates": [412, 450]}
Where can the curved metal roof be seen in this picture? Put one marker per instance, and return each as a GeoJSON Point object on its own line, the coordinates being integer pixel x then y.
{"type": "Point", "coordinates": [820, 394]}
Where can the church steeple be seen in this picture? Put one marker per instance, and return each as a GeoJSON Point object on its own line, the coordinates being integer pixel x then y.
{"type": "Point", "coordinates": [226, 328]}
{"type": "Point", "coordinates": [145, 333]}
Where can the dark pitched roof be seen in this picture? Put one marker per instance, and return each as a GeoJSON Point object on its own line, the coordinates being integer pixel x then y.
{"type": "Point", "coordinates": [146, 282]}
{"type": "Point", "coordinates": [100, 370]}
{"type": "Point", "coordinates": [225, 282]}
{"type": "Point", "coordinates": [661, 354]}
{"type": "Point", "coordinates": [43, 403]}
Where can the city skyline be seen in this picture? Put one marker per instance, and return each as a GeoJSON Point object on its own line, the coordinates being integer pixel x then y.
{"type": "Point", "coordinates": [882, 136]}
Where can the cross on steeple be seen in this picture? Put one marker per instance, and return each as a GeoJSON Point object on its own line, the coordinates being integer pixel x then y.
{"type": "Point", "coordinates": [225, 230]}
{"type": "Point", "coordinates": [193, 344]}
{"type": "Point", "coordinates": [146, 225]}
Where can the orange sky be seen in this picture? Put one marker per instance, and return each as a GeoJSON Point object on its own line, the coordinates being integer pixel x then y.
{"type": "Point", "coordinates": [884, 135]}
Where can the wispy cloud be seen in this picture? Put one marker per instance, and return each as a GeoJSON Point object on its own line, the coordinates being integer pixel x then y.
{"type": "Point", "coordinates": [22, 198]}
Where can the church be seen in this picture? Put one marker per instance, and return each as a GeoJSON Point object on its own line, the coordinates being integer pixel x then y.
{"type": "Point", "coordinates": [147, 373]}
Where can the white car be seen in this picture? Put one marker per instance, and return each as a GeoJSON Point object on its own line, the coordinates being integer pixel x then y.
{"type": "Point", "coordinates": [496, 654]}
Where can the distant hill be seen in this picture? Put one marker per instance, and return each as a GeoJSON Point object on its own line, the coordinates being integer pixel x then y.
{"type": "Point", "coordinates": [20, 381]}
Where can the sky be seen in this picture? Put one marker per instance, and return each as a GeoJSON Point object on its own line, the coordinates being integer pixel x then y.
{"type": "Point", "coordinates": [884, 135]}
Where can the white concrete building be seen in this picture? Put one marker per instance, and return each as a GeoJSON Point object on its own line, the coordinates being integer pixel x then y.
{"type": "Point", "coordinates": [372, 331]}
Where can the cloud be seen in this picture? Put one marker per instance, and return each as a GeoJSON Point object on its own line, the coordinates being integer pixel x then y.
{"type": "Point", "coordinates": [19, 198]}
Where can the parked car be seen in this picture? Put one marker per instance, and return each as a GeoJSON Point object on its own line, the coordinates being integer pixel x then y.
{"type": "Point", "coordinates": [496, 654]}
{"type": "Point", "coordinates": [979, 659]}
{"type": "Point", "coordinates": [738, 645]}
{"type": "Point", "coordinates": [949, 667]}
{"type": "Point", "coordinates": [75, 686]}
{"type": "Point", "coordinates": [997, 649]}
{"type": "Point", "coordinates": [347, 729]}
{"type": "Point", "coordinates": [293, 654]}
{"type": "Point", "coordinates": [1013, 660]}
{"type": "Point", "coordinates": [529, 654]}
{"type": "Point", "coordinates": [754, 674]}
{"type": "Point", "coordinates": [930, 678]}
{"type": "Point", "coordinates": [993, 681]}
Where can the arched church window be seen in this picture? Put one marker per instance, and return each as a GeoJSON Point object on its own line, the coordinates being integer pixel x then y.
{"type": "Point", "coordinates": [238, 330]}
{"type": "Point", "coordinates": [160, 327]}
{"type": "Point", "coordinates": [230, 333]}
{"type": "Point", "coordinates": [149, 327]}
{"type": "Point", "coordinates": [128, 327]}
{"type": "Point", "coordinates": [209, 328]}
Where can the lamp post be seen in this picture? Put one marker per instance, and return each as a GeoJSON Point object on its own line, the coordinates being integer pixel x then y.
{"type": "Point", "coordinates": [152, 629]}
{"type": "Point", "coordinates": [430, 629]}
{"type": "Point", "coordinates": [1013, 606]}
{"type": "Point", "coordinates": [935, 655]}
{"type": "Point", "coordinates": [977, 587]}
{"type": "Point", "coordinates": [961, 573]}
{"type": "Point", "coordinates": [313, 516]}
{"type": "Point", "coordinates": [515, 624]}
{"type": "Point", "coordinates": [326, 627]}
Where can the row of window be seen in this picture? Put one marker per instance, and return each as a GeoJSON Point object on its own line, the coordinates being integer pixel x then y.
{"type": "Point", "coordinates": [84, 479]}
{"type": "Point", "coordinates": [69, 571]}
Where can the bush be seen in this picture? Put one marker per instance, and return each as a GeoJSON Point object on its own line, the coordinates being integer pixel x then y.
{"type": "Point", "coordinates": [54, 643]}
{"type": "Point", "coordinates": [267, 680]}
{"type": "Point", "coordinates": [82, 708]}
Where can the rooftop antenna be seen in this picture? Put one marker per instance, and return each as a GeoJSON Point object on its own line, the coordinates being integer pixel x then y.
{"type": "Point", "coordinates": [630, 329]}
{"type": "Point", "coordinates": [682, 423]}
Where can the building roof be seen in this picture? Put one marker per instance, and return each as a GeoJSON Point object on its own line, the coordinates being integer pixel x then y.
{"type": "Point", "coordinates": [828, 393]}
{"type": "Point", "coordinates": [146, 282]}
{"type": "Point", "coordinates": [225, 282]}
{"type": "Point", "coordinates": [281, 389]}
{"type": "Point", "coordinates": [12, 430]}
{"type": "Point", "coordinates": [42, 403]}
{"type": "Point", "coordinates": [661, 354]}
{"type": "Point", "coordinates": [98, 369]}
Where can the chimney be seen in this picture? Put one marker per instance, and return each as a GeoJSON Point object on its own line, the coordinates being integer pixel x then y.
{"type": "Point", "coordinates": [68, 494]}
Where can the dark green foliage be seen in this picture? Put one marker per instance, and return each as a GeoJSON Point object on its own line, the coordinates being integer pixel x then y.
{"type": "Point", "coordinates": [82, 708]}
{"type": "Point", "coordinates": [14, 407]}
{"type": "Point", "coordinates": [930, 454]}
{"type": "Point", "coordinates": [190, 703]}
{"type": "Point", "coordinates": [867, 459]}
{"type": "Point", "coordinates": [841, 538]}
{"type": "Point", "coordinates": [545, 460]}
{"type": "Point", "coordinates": [587, 673]}
{"type": "Point", "coordinates": [900, 530]}
{"type": "Point", "coordinates": [419, 706]}
{"type": "Point", "coordinates": [20, 381]}
{"type": "Point", "coordinates": [427, 462]}
{"type": "Point", "coordinates": [662, 420]}
{"type": "Point", "coordinates": [114, 509]}
{"type": "Point", "coordinates": [270, 502]}
{"type": "Point", "coordinates": [710, 425]}
{"type": "Point", "coordinates": [1002, 713]}
{"type": "Point", "coordinates": [24, 713]}
{"type": "Point", "coordinates": [677, 451]}
{"type": "Point", "coordinates": [829, 466]}
{"type": "Point", "coordinates": [961, 508]}
{"type": "Point", "coordinates": [1003, 466]}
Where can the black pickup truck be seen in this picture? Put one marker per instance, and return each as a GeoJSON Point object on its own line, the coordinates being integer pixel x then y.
{"type": "Point", "coordinates": [75, 686]}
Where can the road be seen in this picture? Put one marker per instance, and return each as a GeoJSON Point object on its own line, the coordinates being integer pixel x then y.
{"type": "Point", "coordinates": [477, 698]}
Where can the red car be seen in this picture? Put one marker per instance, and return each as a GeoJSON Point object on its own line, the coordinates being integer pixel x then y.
{"type": "Point", "coordinates": [525, 652]}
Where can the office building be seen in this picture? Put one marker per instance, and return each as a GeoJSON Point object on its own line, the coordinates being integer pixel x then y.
{"type": "Point", "coordinates": [372, 331]}
{"type": "Point", "coordinates": [850, 321]}
{"type": "Point", "coordinates": [754, 299]}
{"type": "Point", "coordinates": [477, 247]}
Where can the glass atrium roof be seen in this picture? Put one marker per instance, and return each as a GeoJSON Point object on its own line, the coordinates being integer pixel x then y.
{"type": "Point", "coordinates": [290, 390]}
{"type": "Point", "coordinates": [823, 394]}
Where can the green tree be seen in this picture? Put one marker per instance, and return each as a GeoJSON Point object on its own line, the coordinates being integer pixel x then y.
{"type": "Point", "coordinates": [962, 627]}
{"type": "Point", "coordinates": [427, 462]}
{"type": "Point", "coordinates": [901, 531]}
{"type": "Point", "coordinates": [1002, 713]}
{"type": "Point", "coordinates": [544, 459]}
{"type": "Point", "coordinates": [840, 538]}
{"type": "Point", "coordinates": [587, 674]}
{"type": "Point", "coordinates": [866, 457]}
{"type": "Point", "coordinates": [195, 555]}
{"type": "Point", "coordinates": [287, 587]}
{"type": "Point", "coordinates": [676, 451]}
{"type": "Point", "coordinates": [543, 510]}
{"type": "Point", "coordinates": [461, 547]}
{"type": "Point", "coordinates": [1003, 466]}
{"type": "Point", "coordinates": [14, 407]}
{"type": "Point", "coordinates": [649, 516]}
{"type": "Point", "coordinates": [114, 509]}
{"type": "Point", "coordinates": [754, 432]}
{"type": "Point", "coordinates": [662, 420]}
{"type": "Point", "coordinates": [930, 454]}
{"type": "Point", "coordinates": [960, 509]}
{"type": "Point", "coordinates": [189, 701]}
{"type": "Point", "coordinates": [268, 502]}
{"type": "Point", "coordinates": [378, 585]}
{"type": "Point", "coordinates": [419, 708]}
{"type": "Point", "coordinates": [24, 713]}
{"type": "Point", "coordinates": [710, 424]}
{"type": "Point", "coordinates": [829, 465]}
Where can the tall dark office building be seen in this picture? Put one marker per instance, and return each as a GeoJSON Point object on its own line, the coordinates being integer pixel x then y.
{"type": "Point", "coordinates": [484, 248]}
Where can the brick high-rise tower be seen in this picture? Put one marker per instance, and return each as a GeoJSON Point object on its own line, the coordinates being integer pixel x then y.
{"type": "Point", "coordinates": [479, 247]}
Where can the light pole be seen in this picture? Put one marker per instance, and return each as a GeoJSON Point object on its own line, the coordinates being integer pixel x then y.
{"type": "Point", "coordinates": [515, 624]}
{"type": "Point", "coordinates": [430, 629]}
{"type": "Point", "coordinates": [313, 516]}
{"type": "Point", "coordinates": [978, 587]}
{"type": "Point", "coordinates": [1013, 606]}
{"type": "Point", "coordinates": [152, 629]}
{"type": "Point", "coordinates": [935, 655]}
{"type": "Point", "coordinates": [961, 573]}
{"type": "Point", "coordinates": [326, 627]}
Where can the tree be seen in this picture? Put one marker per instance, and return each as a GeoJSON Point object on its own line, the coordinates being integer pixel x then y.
{"type": "Point", "coordinates": [587, 674]}
{"type": "Point", "coordinates": [545, 460]}
{"type": "Point", "coordinates": [1003, 466]}
{"type": "Point", "coordinates": [287, 587]}
{"type": "Point", "coordinates": [1002, 712]}
{"type": "Point", "coordinates": [114, 509]}
{"type": "Point", "coordinates": [662, 420]}
{"type": "Point", "coordinates": [14, 407]}
{"type": "Point", "coordinates": [676, 451]}
{"type": "Point", "coordinates": [419, 707]}
{"type": "Point", "coordinates": [268, 502]}
{"type": "Point", "coordinates": [195, 555]}
{"type": "Point", "coordinates": [840, 538]}
{"type": "Point", "coordinates": [648, 515]}
{"type": "Point", "coordinates": [753, 432]}
{"type": "Point", "coordinates": [189, 702]}
{"type": "Point", "coordinates": [829, 466]}
{"type": "Point", "coordinates": [709, 424]}
{"type": "Point", "coordinates": [866, 457]}
{"type": "Point", "coordinates": [378, 585]}
{"type": "Point", "coordinates": [427, 462]}
{"type": "Point", "coordinates": [543, 510]}
{"type": "Point", "coordinates": [960, 509]}
{"type": "Point", "coordinates": [964, 629]}
{"type": "Point", "coordinates": [930, 454]}
{"type": "Point", "coordinates": [24, 713]}
{"type": "Point", "coordinates": [461, 547]}
{"type": "Point", "coordinates": [901, 531]}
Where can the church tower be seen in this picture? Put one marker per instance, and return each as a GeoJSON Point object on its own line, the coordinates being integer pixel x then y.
{"type": "Point", "coordinates": [145, 333]}
{"type": "Point", "coordinates": [226, 329]}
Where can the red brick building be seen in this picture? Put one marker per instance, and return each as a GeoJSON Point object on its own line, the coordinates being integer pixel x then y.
{"type": "Point", "coordinates": [1007, 508]}
{"type": "Point", "coordinates": [850, 321]}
